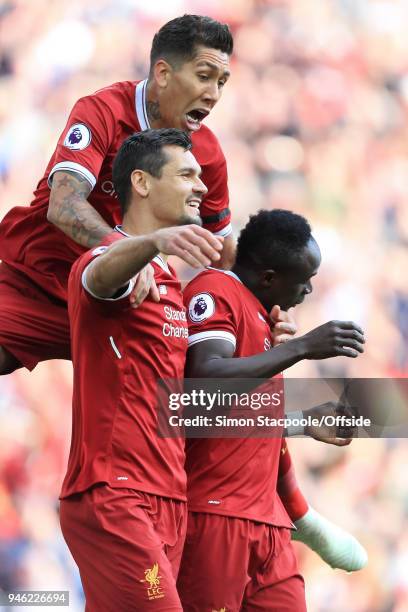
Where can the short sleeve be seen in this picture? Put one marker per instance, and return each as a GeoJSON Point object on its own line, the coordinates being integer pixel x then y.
{"type": "Point", "coordinates": [121, 293]}
{"type": "Point", "coordinates": [210, 313]}
{"type": "Point", "coordinates": [85, 140]}
{"type": "Point", "coordinates": [78, 287]}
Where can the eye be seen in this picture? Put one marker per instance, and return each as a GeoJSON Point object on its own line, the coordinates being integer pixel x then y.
{"type": "Point", "coordinates": [203, 77]}
{"type": "Point", "coordinates": [221, 84]}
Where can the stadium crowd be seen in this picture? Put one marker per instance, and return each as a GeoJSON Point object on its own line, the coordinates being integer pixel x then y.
{"type": "Point", "coordinates": [313, 119]}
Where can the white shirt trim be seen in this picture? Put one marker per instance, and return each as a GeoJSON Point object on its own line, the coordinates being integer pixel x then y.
{"type": "Point", "coordinates": [212, 335]}
{"type": "Point", "coordinates": [69, 165]}
{"type": "Point", "coordinates": [158, 259]}
{"type": "Point", "coordinates": [227, 272]}
{"type": "Point", "coordinates": [160, 262]}
{"type": "Point", "coordinates": [140, 104]}
{"type": "Point", "coordinates": [118, 228]}
{"type": "Point", "coordinates": [127, 292]}
{"type": "Point", "coordinates": [115, 348]}
{"type": "Point", "coordinates": [226, 231]}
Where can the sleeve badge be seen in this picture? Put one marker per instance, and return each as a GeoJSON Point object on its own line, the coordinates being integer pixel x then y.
{"type": "Point", "coordinates": [201, 307]}
{"type": "Point", "coordinates": [78, 137]}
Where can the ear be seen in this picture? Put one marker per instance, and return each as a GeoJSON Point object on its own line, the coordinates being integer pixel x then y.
{"type": "Point", "coordinates": [140, 182]}
{"type": "Point", "coordinates": [267, 278]}
{"type": "Point", "coordinates": [162, 72]}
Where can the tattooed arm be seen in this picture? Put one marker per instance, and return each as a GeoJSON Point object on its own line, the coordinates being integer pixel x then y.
{"type": "Point", "coordinates": [70, 211]}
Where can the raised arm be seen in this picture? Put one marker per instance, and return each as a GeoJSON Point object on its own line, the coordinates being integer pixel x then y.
{"type": "Point", "coordinates": [71, 212]}
{"type": "Point", "coordinates": [214, 358]}
{"type": "Point", "coordinates": [113, 269]}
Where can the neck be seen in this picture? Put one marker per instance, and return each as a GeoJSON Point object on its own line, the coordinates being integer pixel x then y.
{"type": "Point", "coordinates": [138, 222]}
{"type": "Point", "coordinates": [250, 280]}
{"type": "Point", "coordinates": [245, 276]}
{"type": "Point", "coordinates": [153, 106]}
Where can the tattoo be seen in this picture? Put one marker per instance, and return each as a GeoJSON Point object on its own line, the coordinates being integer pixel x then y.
{"type": "Point", "coordinates": [73, 181]}
{"type": "Point", "coordinates": [153, 111]}
{"type": "Point", "coordinates": [67, 182]}
{"type": "Point", "coordinates": [72, 213]}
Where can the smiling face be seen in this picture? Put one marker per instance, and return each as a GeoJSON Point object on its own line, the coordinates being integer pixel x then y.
{"type": "Point", "coordinates": [176, 195]}
{"type": "Point", "coordinates": [289, 287]}
{"type": "Point", "coordinates": [188, 92]}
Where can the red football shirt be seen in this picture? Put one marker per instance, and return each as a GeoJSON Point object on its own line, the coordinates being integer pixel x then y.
{"type": "Point", "coordinates": [95, 129]}
{"type": "Point", "coordinates": [233, 477]}
{"type": "Point", "coordinates": [118, 354]}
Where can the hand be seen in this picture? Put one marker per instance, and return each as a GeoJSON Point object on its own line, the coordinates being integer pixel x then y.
{"type": "Point", "coordinates": [228, 254]}
{"type": "Point", "coordinates": [284, 327]}
{"type": "Point", "coordinates": [330, 433]}
{"type": "Point", "coordinates": [193, 244]}
{"type": "Point", "coordinates": [332, 339]}
{"type": "Point", "coordinates": [145, 285]}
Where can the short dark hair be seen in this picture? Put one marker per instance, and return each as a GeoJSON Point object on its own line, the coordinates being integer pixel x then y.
{"type": "Point", "coordinates": [177, 40]}
{"type": "Point", "coordinates": [272, 239]}
{"type": "Point", "coordinates": [144, 151]}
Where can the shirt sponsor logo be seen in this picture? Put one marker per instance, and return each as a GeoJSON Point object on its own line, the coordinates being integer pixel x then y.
{"type": "Point", "coordinates": [175, 331]}
{"type": "Point", "coordinates": [214, 502]}
{"type": "Point", "coordinates": [107, 187]}
{"type": "Point", "coordinates": [154, 590]}
{"type": "Point", "coordinates": [162, 289]}
{"type": "Point", "coordinates": [267, 344]}
{"type": "Point", "coordinates": [201, 307]}
{"type": "Point", "coordinates": [78, 137]}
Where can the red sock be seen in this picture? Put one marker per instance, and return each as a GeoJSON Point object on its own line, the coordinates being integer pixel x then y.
{"type": "Point", "coordinates": [295, 504]}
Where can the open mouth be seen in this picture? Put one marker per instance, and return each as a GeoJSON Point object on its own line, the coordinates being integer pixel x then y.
{"type": "Point", "coordinates": [195, 205]}
{"type": "Point", "coordinates": [195, 117]}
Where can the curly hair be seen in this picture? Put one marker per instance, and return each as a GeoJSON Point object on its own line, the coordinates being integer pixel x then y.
{"type": "Point", "coordinates": [272, 239]}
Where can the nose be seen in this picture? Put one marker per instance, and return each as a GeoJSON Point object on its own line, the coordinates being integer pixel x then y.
{"type": "Point", "coordinates": [199, 187]}
{"type": "Point", "coordinates": [212, 93]}
{"type": "Point", "coordinates": [308, 288]}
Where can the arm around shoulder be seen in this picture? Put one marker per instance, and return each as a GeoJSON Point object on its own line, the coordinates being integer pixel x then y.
{"type": "Point", "coordinates": [118, 265]}
{"type": "Point", "coordinates": [71, 212]}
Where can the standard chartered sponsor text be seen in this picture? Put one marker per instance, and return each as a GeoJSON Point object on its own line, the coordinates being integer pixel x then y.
{"type": "Point", "coordinates": [175, 331]}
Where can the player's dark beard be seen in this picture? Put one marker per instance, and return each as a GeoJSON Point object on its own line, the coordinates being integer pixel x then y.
{"type": "Point", "coordinates": [187, 220]}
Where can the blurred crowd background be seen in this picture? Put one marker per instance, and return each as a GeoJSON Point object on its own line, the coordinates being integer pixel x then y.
{"type": "Point", "coordinates": [313, 119]}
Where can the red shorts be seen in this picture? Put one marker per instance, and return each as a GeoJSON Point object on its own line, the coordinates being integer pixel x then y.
{"type": "Point", "coordinates": [33, 326]}
{"type": "Point", "coordinates": [236, 565]}
{"type": "Point", "coordinates": [127, 545]}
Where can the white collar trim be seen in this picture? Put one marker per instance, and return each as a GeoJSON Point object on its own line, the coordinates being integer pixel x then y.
{"type": "Point", "coordinates": [140, 103]}
{"type": "Point", "coordinates": [118, 228]}
{"type": "Point", "coordinates": [228, 272]}
{"type": "Point", "coordinates": [158, 260]}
